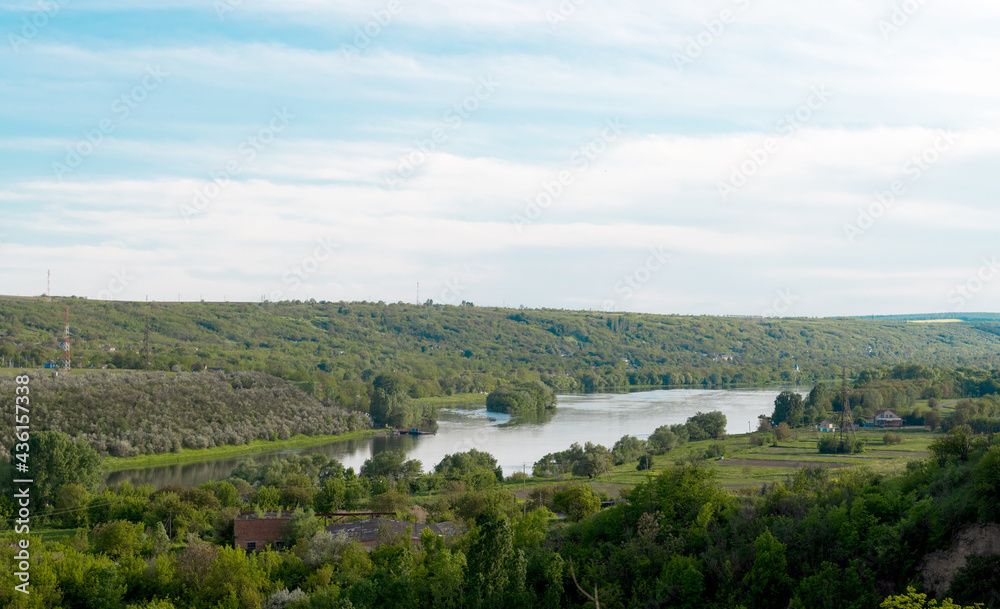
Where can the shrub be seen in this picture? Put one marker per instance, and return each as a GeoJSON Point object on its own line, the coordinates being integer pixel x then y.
{"type": "Point", "coordinates": [891, 437]}
{"type": "Point", "coordinates": [782, 431]}
{"type": "Point", "coordinates": [830, 444]}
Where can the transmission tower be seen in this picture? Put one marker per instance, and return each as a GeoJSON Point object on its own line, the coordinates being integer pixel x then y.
{"type": "Point", "coordinates": [846, 418]}
{"type": "Point", "coordinates": [48, 288]}
{"type": "Point", "coordinates": [65, 343]}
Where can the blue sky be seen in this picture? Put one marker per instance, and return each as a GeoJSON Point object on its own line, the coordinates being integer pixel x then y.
{"type": "Point", "coordinates": [731, 157]}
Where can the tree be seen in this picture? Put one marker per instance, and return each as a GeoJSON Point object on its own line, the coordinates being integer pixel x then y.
{"type": "Point", "coordinates": [495, 572]}
{"type": "Point", "coordinates": [391, 404]}
{"type": "Point", "coordinates": [160, 541]}
{"type": "Point", "coordinates": [71, 505]}
{"type": "Point", "coordinates": [56, 460]}
{"type": "Point", "coordinates": [645, 462]}
{"type": "Point", "coordinates": [627, 450]}
{"type": "Point", "coordinates": [706, 425]}
{"type": "Point", "coordinates": [119, 538]}
{"type": "Point", "coordinates": [578, 501]}
{"type": "Point", "coordinates": [932, 419]}
{"type": "Point", "coordinates": [662, 440]}
{"type": "Point", "coordinates": [459, 465]}
{"type": "Point", "coordinates": [788, 408]}
{"type": "Point", "coordinates": [978, 580]}
{"type": "Point", "coordinates": [986, 479]}
{"type": "Point", "coordinates": [390, 464]}
{"type": "Point", "coordinates": [331, 497]}
{"type": "Point", "coordinates": [913, 600]}
{"type": "Point", "coordinates": [302, 525]}
{"type": "Point", "coordinates": [767, 583]}
{"type": "Point", "coordinates": [957, 443]}
{"type": "Point", "coordinates": [596, 461]}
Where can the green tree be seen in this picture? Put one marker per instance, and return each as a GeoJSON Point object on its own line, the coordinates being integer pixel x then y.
{"type": "Point", "coordinates": [596, 460]}
{"type": "Point", "coordinates": [788, 408]}
{"type": "Point", "coordinates": [706, 425]}
{"type": "Point", "coordinates": [956, 443]}
{"type": "Point", "coordinates": [578, 501]}
{"type": "Point", "coordinates": [160, 541]}
{"type": "Point", "coordinates": [627, 450]}
{"type": "Point", "coordinates": [767, 583]}
{"type": "Point", "coordinates": [390, 403]}
{"type": "Point", "coordinates": [119, 538]}
{"type": "Point", "coordinates": [913, 600]}
{"type": "Point", "coordinates": [390, 464]}
{"type": "Point", "coordinates": [331, 497]}
{"type": "Point", "coordinates": [662, 440]}
{"type": "Point", "coordinates": [986, 484]}
{"type": "Point", "coordinates": [57, 460]}
{"type": "Point", "coordinates": [495, 571]}
{"type": "Point", "coordinates": [932, 419]}
{"type": "Point", "coordinates": [437, 578]}
{"type": "Point", "coordinates": [681, 584]}
{"type": "Point", "coordinates": [71, 505]}
{"type": "Point", "coordinates": [302, 525]}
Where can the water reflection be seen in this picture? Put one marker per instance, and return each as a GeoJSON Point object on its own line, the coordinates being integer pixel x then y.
{"type": "Point", "coordinates": [516, 442]}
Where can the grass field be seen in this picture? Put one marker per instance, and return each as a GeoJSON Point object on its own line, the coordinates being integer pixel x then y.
{"type": "Point", "coordinates": [744, 466]}
{"type": "Point", "coordinates": [112, 464]}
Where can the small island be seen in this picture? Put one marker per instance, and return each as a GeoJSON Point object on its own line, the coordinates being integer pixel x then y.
{"type": "Point", "coordinates": [534, 397]}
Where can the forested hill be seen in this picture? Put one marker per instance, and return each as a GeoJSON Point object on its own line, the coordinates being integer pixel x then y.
{"type": "Point", "coordinates": [333, 349]}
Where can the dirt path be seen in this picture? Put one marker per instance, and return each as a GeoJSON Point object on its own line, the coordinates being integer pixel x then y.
{"type": "Point", "coordinates": [774, 463]}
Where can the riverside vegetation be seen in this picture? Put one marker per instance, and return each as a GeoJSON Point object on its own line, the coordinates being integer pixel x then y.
{"type": "Point", "coordinates": [856, 540]}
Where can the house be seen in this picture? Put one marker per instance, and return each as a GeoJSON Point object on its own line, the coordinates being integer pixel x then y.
{"type": "Point", "coordinates": [255, 531]}
{"type": "Point", "coordinates": [827, 426]}
{"type": "Point", "coordinates": [372, 533]}
{"type": "Point", "coordinates": [887, 418]}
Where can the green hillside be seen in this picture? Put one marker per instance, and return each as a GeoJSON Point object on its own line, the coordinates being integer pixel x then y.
{"type": "Point", "coordinates": [332, 350]}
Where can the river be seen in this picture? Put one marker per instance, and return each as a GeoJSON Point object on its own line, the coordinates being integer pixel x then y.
{"type": "Point", "coordinates": [601, 418]}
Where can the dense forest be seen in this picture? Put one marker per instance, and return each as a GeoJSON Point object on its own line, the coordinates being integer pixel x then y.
{"type": "Point", "coordinates": [334, 350]}
{"type": "Point", "coordinates": [124, 414]}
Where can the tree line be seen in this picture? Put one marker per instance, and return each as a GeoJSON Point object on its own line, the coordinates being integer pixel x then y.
{"type": "Point", "coordinates": [333, 350]}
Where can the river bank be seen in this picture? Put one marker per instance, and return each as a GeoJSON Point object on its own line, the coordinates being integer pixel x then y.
{"type": "Point", "coordinates": [113, 464]}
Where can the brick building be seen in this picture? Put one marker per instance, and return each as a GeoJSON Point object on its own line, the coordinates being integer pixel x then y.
{"type": "Point", "coordinates": [255, 533]}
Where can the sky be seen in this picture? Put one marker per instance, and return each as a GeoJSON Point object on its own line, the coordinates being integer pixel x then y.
{"type": "Point", "coordinates": [732, 157]}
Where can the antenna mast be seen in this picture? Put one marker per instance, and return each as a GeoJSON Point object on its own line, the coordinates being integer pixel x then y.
{"type": "Point", "coordinates": [48, 288]}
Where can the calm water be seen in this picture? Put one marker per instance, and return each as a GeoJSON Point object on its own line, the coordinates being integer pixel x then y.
{"type": "Point", "coordinates": [600, 418]}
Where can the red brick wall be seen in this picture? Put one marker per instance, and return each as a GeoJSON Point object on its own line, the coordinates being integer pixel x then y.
{"type": "Point", "coordinates": [264, 531]}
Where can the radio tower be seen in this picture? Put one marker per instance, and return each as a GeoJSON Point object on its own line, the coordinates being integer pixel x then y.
{"type": "Point", "coordinates": [48, 289]}
{"type": "Point", "coordinates": [65, 343]}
